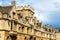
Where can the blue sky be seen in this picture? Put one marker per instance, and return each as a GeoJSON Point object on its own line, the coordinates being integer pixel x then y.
{"type": "Point", "coordinates": [46, 11]}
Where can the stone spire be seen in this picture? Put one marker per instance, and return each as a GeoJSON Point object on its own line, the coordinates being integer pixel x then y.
{"type": "Point", "coordinates": [13, 3]}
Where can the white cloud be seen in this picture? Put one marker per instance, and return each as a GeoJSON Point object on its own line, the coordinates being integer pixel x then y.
{"type": "Point", "coordinates": [0, 3]}
{"type": "Point", "coordinates": [48, 5]}
{"type": "Point", "coordinates": [47, 9]}
{"type": "Point", "coordinates": [43, 17]}
{"type": "Point", "coordinates": [44, 8]}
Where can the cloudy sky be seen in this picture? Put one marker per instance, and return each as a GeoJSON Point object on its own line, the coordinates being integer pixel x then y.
{"type": "Point", "coordinates": [46, 11]}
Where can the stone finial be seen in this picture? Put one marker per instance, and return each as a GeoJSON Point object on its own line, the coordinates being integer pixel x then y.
{"type": "Point", "coordinates": [13, 3]}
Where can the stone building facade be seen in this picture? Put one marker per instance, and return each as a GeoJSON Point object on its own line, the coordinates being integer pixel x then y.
{"type": "Point", "coordinates": [21, 24]}
{"type": "Point", "coordinates": [57, 36]}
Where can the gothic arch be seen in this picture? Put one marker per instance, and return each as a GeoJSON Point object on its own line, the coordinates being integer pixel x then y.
{"type": "Point", "coordinates": [34, 38]}
{"type": "Point", "coordinates": [31, 38]}
{"type": "Point", "coordinates": [25, 38]}
{"type": "Point", "coordinates": [8, 38]}
{"type": "Point", "coordinates": [11, 37]}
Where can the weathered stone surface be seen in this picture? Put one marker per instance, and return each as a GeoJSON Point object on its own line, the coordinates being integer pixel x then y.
{"type": "Point", "coordinates": [21, 24]}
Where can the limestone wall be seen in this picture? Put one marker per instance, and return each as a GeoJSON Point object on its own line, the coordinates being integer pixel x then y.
{"type": "Point", "coordinates": [2, 35]}
{"type": "Point", "coordinates": [4, 25]}
{"type": "Point", "coordinates": [57, 36]}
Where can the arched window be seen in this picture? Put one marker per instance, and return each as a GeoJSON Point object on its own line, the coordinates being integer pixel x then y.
{"type": "Point", "coordinates": [19, 28]}
{"type": "Point", "coordinates": [14, 14]}
{"type": "Point", "coordinates": [31, 30]}
{"type": "Point", "coordinates": [31, 38]}
{"type": "Point", "coordinates": [13, 37]}
{"type": "Point", "coordinates": [15, 26]}
{"type": "Point", "coordinates": [22, 28]}
{"type": "Point", "coordinates": [27, 29]}
{"type": "Point", "coordinates": [8, 38]}
{"type": "Point", "coordinates": [25, 38]}
{"type": "Point", "coordinates": [34, 38]}
{"type": "Point", "coordinates": [49, 30]}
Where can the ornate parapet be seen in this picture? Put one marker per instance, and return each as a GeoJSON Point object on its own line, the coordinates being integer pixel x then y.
{"type": "Point", "coordinates": [25, 7]}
